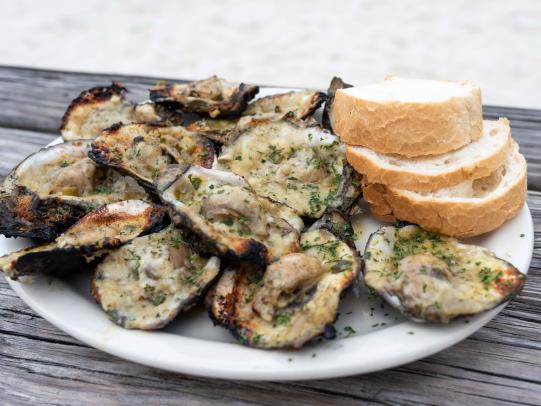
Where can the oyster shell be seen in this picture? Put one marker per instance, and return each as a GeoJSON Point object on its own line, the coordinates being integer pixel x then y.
{"type": "Point", "coordinates": [300, 105]}
{"type": "Point", "coordinates": [214, 97]}
{"type": "Point", "coordinates": [142, 151]}
{"type": "Point", "coordinates": [302, 166]}
{"type": "Point", "coordinates": [226, 214]}
{"type": "Point", "coordinates": [147, 282]}
{"type": "Point", "coordinates": [53, 188]}
{"type": "Point", "coordinates": [432, 277]}
{"type": "Point", "coordinates": [295, 299]}
{"type": "Point", "coordinates": [336, 83]}
{"type": "Point", "coordinates": [100, 107]}
{"type": "Point", "coordinates": [107, 227]}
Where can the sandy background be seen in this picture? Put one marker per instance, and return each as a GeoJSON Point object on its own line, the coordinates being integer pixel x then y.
{"type": "Point", "coordinates": [495, 43]}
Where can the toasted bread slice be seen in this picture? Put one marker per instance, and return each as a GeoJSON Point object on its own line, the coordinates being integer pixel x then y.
{"type": "Point", "coordinates": [475, 160]}
{"type": "Point", "coordinates": [468, 209]}
{"type": "Point", "coordinates": [409, 117]}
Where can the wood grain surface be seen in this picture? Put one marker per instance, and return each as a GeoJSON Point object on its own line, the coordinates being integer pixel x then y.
{"type": "Point", "coordinates": [40, 365]}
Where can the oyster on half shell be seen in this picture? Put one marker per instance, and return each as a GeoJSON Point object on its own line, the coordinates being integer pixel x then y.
{"type": "Point", "coordinates": [298, 104]}
{"type": "Point", "coordinates": [300, 165]}
{"type": "Point", "coordinates": [428, 276]}
{"type": "Point", "coordinates": [214, 97]}
{"type": "Point", "coordinates": [227, 215]}
{"type": "Point", "coordinates": [102, 106]}
{"type": "Point", "coordinates": [143, 151]}
{"type": "Point", "coordinates": [296, 298]}
{"type": "Point", "coordinates": [105, 228]}
{"type": "Point", "coordinates": [147, 282]}
{"type": "Point", "coordinates": [54, 187]}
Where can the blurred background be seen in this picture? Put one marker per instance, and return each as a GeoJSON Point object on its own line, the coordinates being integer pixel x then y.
{"type": "Point", "coordinates": [495, 43]}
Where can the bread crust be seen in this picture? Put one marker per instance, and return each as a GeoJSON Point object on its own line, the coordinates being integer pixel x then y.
{"type": "Point", "coordinates": [407, 128]}
{"type": "Point", "coordinates": [403, 178]}
{"type": "Point", "coordinates": [453, 217]}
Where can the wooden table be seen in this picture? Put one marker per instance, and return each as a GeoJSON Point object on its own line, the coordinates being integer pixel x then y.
{"type": "Point", "coordinates": [500, 364]}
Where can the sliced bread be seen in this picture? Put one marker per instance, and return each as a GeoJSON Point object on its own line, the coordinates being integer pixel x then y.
{"type": "Point", "coordinates": [409, 117]}
{"type": "Point", "coordinates": [475, 160]}
{"type": "Point", "coordinates": [468, 209]}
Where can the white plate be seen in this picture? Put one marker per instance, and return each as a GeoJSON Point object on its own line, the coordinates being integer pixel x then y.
{"type": "Point", "coordinates": [191, 344]}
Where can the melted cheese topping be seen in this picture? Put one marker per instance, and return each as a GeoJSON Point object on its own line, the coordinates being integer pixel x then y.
{"type": "Point", "coordinates": [226, 209]}
{"type": "Point", "coordinates": [436, 277]}
{"type": "Point", "coordinates": [66, 171]}
{"type": "Point", "coordinates": [300, 167]}
{"type": "Point", "coordinates": [145, 151]}
{"type": "Point", "coordinates": [87, 120]}
{"type": "Point", "coordinates": [302, 314]}
{"type": "Point", "coordinates": [147, 282]}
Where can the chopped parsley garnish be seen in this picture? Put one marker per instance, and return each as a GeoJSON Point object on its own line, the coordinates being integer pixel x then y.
{"type": "Point", "coordinates": [102, 190]}
{"type": "Point", "coordinates": [330, 247]}
{"type": "Point", "coordinates": [238, 158]}
{"type": "Point", "coordinates": [437, 305]}
{"type": "Point", "coordinates": [149, 289]}
{"type": "Point", "coordinates": [137, 258]}
{"type": "Point", "coordinates": [195, 181]}
{"type": "Point", "coordinates": [275, 155]}
{"type": "Point", "coordinates": [256, 338]}
{"type": "Point", "coordinates": [175, 241]}
{"type": "Point", "coordinates": [227, 222]}
{"type": "Point", "coordinates": [487, 276]}
{"type": "Point", "coordinates": [283, 319]}
{"type": "Point", "coordinates": [349, 331]}
{"type": "Point", "coordinates": [315, 202]}
{"type": "Point", "coordinates": [158, 300]}
{"type": "Point", "coordinates": [64, 163]}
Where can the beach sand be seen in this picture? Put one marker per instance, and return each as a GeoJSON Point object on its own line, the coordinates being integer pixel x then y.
{"type": "Point", "coordinates": [496, 44]}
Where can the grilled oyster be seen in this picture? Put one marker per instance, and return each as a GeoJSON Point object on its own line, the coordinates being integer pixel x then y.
{"type": "Point", "coordinates": [224, 211]}
{"type": "Point", "coordinates": [432, 277]}
{"type": "Point", "coordinates": [51, 189]}
{"type": "Point", "coordinates": [142, 151]}
{"type": "Point", "coordinates": [100, 107]}
{"type": "Point", "coordinates": [295, 299]}
{"type": "Point", "coordinates": [336, 83]}
{"type": "Point", "coordinates": [147, 282]}
{"type": "Point", "coordinates": [302, 166]}
{"type": "Point", "coordinates": [214, 97]}
{"type": "Point", "coordinates": [300, 105]}
{"type": "Point", "coordinates": [105, 228]}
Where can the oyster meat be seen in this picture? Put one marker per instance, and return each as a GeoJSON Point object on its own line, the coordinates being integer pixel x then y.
{"type": "Point", "coordinates": [428, 276]}
{"type": "Point", "coordinates": [105, 228]}
{"type": "Point", "coordinates": [214, 97]}
{"type": "Point", "coordinates": [143, 151]}
{"type": "Point", "coordinates": [302, 166]}
{"type": "Point", "coordinates": [295, 299]}
{"type": "Point", "coordinates": [147, 282]}
{"type": "Point", "coordinates": [300, 105]}
{"type": "Point", "coordinates": [100, 107]}
{"type": "Point", "coordinates": [53, 188]}
{"type": "Point", "coordinates": [226, 214]}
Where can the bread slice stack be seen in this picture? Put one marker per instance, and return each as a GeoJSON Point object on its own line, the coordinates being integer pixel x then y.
{"type": "Point", "coordinates": [427, 157]}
